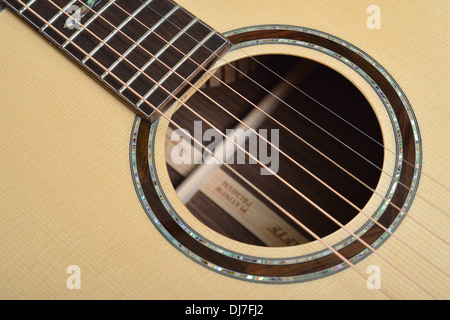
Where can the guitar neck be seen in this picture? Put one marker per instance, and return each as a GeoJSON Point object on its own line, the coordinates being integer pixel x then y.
{"type": "Point", "coordinates": [148, 53]}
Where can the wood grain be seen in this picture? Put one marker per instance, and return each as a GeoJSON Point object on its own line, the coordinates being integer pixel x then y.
{"type": "Point", "coordinates": [105, 37]}
{"type": "Point", "coordinates": [67, 196]}
{"type": "Point", "coordinates": [355, 248]}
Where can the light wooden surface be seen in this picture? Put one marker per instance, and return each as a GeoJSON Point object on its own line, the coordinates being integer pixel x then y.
{"type": "Point", "coordinates": [67, 197]}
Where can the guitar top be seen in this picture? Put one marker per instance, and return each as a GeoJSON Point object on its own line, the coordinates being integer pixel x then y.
{"type": "Point", "coordinates": [112, 188]}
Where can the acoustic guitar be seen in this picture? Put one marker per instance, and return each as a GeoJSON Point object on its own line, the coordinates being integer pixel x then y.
{"type": "Point", "coordinates": [251, 150]}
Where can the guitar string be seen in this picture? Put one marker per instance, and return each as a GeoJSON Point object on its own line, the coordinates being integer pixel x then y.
{"type": "Point", "coordinates": [104, 43]}
{"type": "Point", "coordinates": [281, 179]}
{"type": "Point", "coordinates": [307, 171]}
{"type": "Point", "coordinates": [170, 120]}
{"type": "Point", "coordinates": [304, 141]}
{"type": "Point", "coordinates": [289, 158]}
{"type": "Point", "coordinates": [94, 35]}
{"type": "Point", "coordinates": [339, 117]}
{"type": "Point", "coordinates": [417, 194]}
{"type": "Point", "coordinates": [88, 30]}
{"type": "Point", "coordinates": [306, 118]}
{"type": "Point", "coordinates": [346, 200]}
{"type": "Point", "coordinates": [334, 191]}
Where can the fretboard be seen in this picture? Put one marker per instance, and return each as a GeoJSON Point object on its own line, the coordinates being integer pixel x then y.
{"type": "Point", "coordinates": [147, 52]}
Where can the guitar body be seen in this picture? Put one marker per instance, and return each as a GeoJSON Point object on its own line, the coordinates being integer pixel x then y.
{"type": "Point", "coordinates": [68, 198]}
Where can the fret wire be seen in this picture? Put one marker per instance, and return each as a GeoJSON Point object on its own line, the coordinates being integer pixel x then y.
{"type": "Point", "coordinates": [168, 74]}
{"type": "Point", "coordinates": [344, 257]}
{"type": "Point", "coordinates": [344, 144]}
{"type": "Point", "coordinates": [375, 221]}
{"type": "Point", "coordinates": [56, 16]}
{"type": "Point", "coordinates": [146, 34]}
{"type": "Point", "coordinates": [92, 19]}
{"type": "Point", "coordinates": [407, 162]}
{"type": "Point", "coordinates": [369, 217]}
{"type": "Point", "coordinates": [317, 237]}
{"type": "Point", "coordinates": [182, 32]}
{"type": "Point", "coordinates": [23, 13]}
{"type": "Point", "coordinates": [116, 30]}
{"type": "Point", "coordinates": [158, 54]}
{"type": "Point", "coordinates": [30, 3]}
{"type": "Point", "coordinates": [120, 59]}
{"type": "Point", "coordinates": [412, 165]}
{"type": "Point", "coordinates": [186, 79]}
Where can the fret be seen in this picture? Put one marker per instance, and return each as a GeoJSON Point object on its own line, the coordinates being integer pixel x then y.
{"type": "Point", "coordinates": [135, 56]}
{"type": "Point", "coordinates": [146, 19]}
{"type": "Point", "coordinates": [145, 51]}
{"type": "Point", "coordinates": [90, 38]}
{"type": "Point", "coordinates": [185, 71]}
{"type": "Point", "coordinates": [125, 55]}
{"type": "Point", "coordinates": [175, 68]}
{"type": "Point", "coordinates": [138, 43]}
{"type": "Point", "coordinates": [157, 55]}
{"type": "Point", "coordinates": [214, 45]}
{"type": "Point", "coordinates": [90, 21]}
{"type": "Point", "coordinates": [116, 30]}
{"type": "Point", "coordinates": [15, 5]}
{"type": "Point", "coordinates": [56, 16]}
{"type": "Point", "coordinates": [129, 6]}
{"type": "Point", "coordinates": [38, 8]}
{"type": "Point", "coordinates": [60, 11]}
{"type": "Point", "coordinates": [146, 78]}
{"type": "Point", "coordinates": [178, 85]}
{"type": "Point", "coordinates": [26, 7]}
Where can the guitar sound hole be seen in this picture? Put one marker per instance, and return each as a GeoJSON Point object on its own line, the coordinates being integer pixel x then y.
{"type": "Point", "coordinates": [325, 111]}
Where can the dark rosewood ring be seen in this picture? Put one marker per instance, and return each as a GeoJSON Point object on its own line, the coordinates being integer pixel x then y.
{"type": "Point", "coordinates": [295, 268]}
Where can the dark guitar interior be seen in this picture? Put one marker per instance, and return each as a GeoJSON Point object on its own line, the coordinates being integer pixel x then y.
{"type": "Point", "coordinates": [325, 129]}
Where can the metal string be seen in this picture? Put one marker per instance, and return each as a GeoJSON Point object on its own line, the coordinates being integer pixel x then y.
{"type": "Point", "coordinates": [115, 76]}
